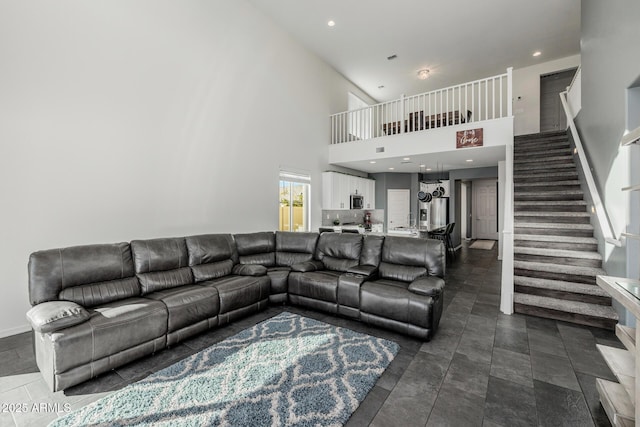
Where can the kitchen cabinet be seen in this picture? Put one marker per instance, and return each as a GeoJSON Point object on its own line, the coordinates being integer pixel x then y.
{"type": "Point", "coordinates": [338, 187]}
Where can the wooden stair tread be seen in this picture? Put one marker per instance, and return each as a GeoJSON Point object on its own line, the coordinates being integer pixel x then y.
{"type": "Point", "coordinates": [594, 310]}
{"type": "Point", "coordinates": [560, 285]}
{"type": "Point", "coordinates": [561, 253]}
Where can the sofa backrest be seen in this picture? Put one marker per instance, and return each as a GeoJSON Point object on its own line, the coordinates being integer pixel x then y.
{"type": "Point", "coordinates": [293, 247]}
{"type": "Point", "coordinates": [161, 263]}
{"type": "Point", "coordinates": [211, 255]}
{"type": "Point", "coordinates": [256, 248]}
{"type": "Point", "coordinates": [407, 258]}
{"type": "Point", "coordinates": [339, 251]}
{"type": "Point", "coordinates": [371, 250]}
{"type": "Point", "coordinates": [88, 275]}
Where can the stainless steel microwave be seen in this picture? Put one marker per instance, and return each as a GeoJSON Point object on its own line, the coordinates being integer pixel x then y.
{"type": "Point", "coordinates": [357, 201]}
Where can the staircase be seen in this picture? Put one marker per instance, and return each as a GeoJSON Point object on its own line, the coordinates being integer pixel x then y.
{"type": "Point", "coordinates": [555, 254]}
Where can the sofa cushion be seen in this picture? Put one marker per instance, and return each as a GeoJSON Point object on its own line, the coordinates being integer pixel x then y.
{"type": "Point", "coordinates": [187, 305]}
{"type": "Point", "coordinates": [338, 251]}
{"type": "Point", "coordinates": [292, 247]}
{"type": "Point", "coordinates": [279, 278]}
{"type": "Point", "coordinates": [161, 263]}
{"type": "Point", "coordinates": [55, 270]}
{"type": "Point", "coordinates": [113, 327]}
{"type": "Point", "coordinates": [102, 292]}
{"type": "Point", "coordinates": [321, 285]}
{"type": "Point", "coordinates": [239, 291]}
{"type": "Point", "coordinates": [256, 248]}
{"type": "Point", "coordinates": [211, 255]}
{"type": "Point", "coordinates": [55, 315]}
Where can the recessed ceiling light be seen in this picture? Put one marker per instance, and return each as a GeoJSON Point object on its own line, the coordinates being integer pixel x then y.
{"type": "Point", "coordinates": [372, 161]}
{"type": "Point", "coordinates": [428, 169]}
{"type": "Point", "coordinates": [422, 166]}
{"type": "Point", "coordinates": [391, 169]}
{"type": "Point", "coordinates": [469, 160]}
{"type": "Point", "coordinates": [331, 23]}
{"type": "Point", "coordinates": [537, 53]}
{"type": "Point", "coordinates": [423, 74]}
{"type": "Point", "coordinates": [406, 158]}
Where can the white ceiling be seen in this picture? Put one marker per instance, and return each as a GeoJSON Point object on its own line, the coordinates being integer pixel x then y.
{"type": "Point", "coordinates": [457, 40]}
{"type": "Point", "coordinates": [443, 161]}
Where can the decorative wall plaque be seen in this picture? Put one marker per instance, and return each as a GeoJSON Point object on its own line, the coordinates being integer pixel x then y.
{"type": "Point", "coordinates": [469, 138]}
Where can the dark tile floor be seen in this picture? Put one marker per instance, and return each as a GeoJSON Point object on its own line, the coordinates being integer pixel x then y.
{"type": "Point", "coordinates": [483, 368]}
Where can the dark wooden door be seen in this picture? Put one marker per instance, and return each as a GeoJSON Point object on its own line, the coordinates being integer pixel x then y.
{"type": "Point", "coordinates": [552, 117]}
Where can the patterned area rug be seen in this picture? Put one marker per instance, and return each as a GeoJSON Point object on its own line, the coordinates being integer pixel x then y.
{"type": "Point", "coordinates": [288, 370]}
{"type": "Point", "coordinates": [483, 244]}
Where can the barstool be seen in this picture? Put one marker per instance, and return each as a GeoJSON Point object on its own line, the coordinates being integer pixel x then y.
{"type": "Point", "coordinates": [444, 234]}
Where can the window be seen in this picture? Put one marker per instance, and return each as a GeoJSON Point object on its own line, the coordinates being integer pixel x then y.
{"type": "Point", "coordinates": [294, 213]}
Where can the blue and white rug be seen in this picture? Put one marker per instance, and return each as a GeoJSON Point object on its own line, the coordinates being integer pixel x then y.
{"type": "Point", "coordinates": [288, 370]}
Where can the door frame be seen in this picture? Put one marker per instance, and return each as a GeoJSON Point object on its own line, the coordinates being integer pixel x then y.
{"type": "Point", "coordinates": [474, 209]}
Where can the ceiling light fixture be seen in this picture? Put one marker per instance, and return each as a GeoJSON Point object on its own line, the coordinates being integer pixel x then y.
{"type": "Point", "coordinates": [422, 166]}
{"type": "Point", "coordinates": [391, 169]}
{"type": "Point", "coordinates": [428, 169]}
{"type": "Point", "coordinates": [423, 74]}
{"type": "Point", "coordinates": [331, 23]}
{"type": "Point", "coordinates": [537, 53]}
{"type": "Point", "coordinates": [406, 158]}
{"type": "Point", "coordinates": [372, 161]}
{"type": "Point", "coordinates": [469, 160]}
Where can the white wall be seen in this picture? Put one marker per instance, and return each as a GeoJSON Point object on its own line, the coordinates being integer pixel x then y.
{"type": "Point", "coordinates": [142, 119]}
{"type": "Point", "coordinates": [526, 92]}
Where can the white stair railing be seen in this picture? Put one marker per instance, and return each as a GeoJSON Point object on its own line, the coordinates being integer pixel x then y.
{"type": "Point", "coordinates": [599, 208]}
{"type": "Point", "coordinates": [484, 99]}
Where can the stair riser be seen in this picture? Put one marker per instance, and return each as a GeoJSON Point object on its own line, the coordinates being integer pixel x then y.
{"type": "Point", "coordinates": [546, 159]}
{"type": "Point", "coordinates": [540, 139]}
{"type": "Point", "coordinates": [550, 187]}
{"type": "Point", "coordinates": [557, 219]}
{"type": "Point", "coordinates": [548, 196]}
{"type": "Point", "coordinates": [551, 245]}
{"type": "Point", "coordinates": [542, 152]}
{"type": "Point", "coordinates": [554, 232]}
{"type": "Point", "coordinates": [580, 262]}
{"type": "Point", "coordinates": [589, 280]}
{"type": "Point", "coordinates": [549, 164]}
{"type": "Point", "coordinates": [549, 208]}
{"type": "Point", "coordinates": [545, 177]}
{"type": "Point", "coordinates": [567, 317]}
{"type": "Point", "coordinates": [571, 296]}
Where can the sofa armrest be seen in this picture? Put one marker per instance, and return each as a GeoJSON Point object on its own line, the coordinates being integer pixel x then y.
{"type": "Point", "coordinates": [249, 270]}
{"type": "Point", "coordinates": [368, 271]}
{"type": "Point", "coordinates": [55, 315]}
{"type": "Point", "coordinates": [430, 286]}
{"type": "Point", "coordinates": [307, 266]}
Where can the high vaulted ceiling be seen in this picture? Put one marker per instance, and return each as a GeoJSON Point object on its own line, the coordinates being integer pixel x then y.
{"type": "Point", "coordinates": [457, 40]}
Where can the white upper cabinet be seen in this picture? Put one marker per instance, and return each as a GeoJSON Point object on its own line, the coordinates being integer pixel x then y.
{"type": "Point", "coordinates": [337, 189]}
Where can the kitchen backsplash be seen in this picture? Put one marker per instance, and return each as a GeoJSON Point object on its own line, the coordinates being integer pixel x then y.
{"type": "Point", "coordinates": [347, 217]}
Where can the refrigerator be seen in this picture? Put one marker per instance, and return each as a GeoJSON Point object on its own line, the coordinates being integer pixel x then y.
{"type": "Point", "coordinates": [434, 214]}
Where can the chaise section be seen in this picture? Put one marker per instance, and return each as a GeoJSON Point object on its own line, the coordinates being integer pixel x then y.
{"type": "Point", "coordinates": [315, 283]}
{"type": "Point", "coordinates": [164, 274]}
{"type": "Point", "coordinates": [407, 296]}
{"type": "Point", "coordinates": [88, 316]}
{"type": "Point", "coordinates": [242, 289]}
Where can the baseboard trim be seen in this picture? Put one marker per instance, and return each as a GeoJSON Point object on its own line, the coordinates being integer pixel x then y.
{"type": "Point", "coordinates": [14, 331]}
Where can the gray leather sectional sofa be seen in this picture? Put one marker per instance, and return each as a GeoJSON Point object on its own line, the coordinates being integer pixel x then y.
{"type": "Point", "coordinates": [97, 307]}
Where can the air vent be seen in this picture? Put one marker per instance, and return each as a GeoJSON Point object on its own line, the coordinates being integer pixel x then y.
{"type": "Point", "coordinates": [404, 162]}
{"type": "Point", "coordinates": [392, 57]}
{"type": "Point", "coordinates": [379, 149]}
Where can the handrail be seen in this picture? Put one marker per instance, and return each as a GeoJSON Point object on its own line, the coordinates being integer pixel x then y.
{"type": "Point", "coordinates": [601, 213]}
{"type": "Point", "coordinates": [507, 285]}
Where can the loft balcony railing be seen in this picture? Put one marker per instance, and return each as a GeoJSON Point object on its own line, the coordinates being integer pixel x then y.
{"type": "Point", "coordinates": [484, 99]}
